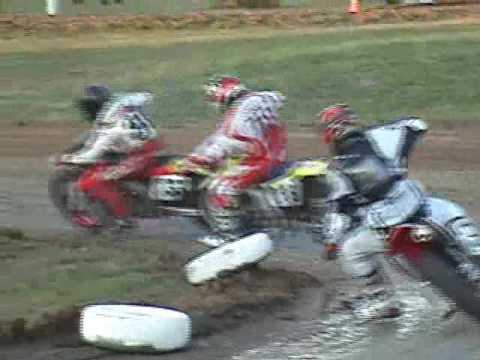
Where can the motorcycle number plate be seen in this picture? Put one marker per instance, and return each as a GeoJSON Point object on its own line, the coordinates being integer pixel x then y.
{"type": "Point", "coordinates": [286, 193]}
{"type": "Point", "coordinates": [169, 187]}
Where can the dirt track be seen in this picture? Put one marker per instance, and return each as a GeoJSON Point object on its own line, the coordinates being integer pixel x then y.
{"type": "Point", "coordinates": [12, 26]}
{"type": "Point", "coordinates": [447, 163]}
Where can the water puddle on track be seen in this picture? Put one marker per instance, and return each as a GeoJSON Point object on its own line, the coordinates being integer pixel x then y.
{"type": "Point", "coordinates": [343, 333]}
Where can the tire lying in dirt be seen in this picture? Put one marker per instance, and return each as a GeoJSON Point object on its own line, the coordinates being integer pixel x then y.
{"type": "Point", "coordinates": [230, 257]}
{"type": "Point", "coordinates": [135, 328]}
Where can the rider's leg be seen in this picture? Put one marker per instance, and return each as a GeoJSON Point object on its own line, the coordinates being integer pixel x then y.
{"type": "Point", "coordinates": [222, 202]}
{"type": "Point", "coordinates": [102, 182]}
{"type": "Point", "coordinates": [362, 257]}
{"type": "Point", "coordinates": [97, 187]}
{"type": "Point", "coordinates": [358, 251]}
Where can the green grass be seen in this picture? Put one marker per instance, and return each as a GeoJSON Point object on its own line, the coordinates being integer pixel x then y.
{"type": "Point", "coordinates": [44, 280]}
{"type": "Point", "coordinates": [430, 72]}
{"type": "Point", "coordinates": [41, 277]}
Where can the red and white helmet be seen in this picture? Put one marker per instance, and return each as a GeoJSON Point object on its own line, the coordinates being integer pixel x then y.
{"type": "Point", "coordinates": [335, 120]}
{"type": "Point", "coordinates": [224, 89]}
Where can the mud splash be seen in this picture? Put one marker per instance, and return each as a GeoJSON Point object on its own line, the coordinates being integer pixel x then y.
{"type": "Point", "coordinates": [346, 332]}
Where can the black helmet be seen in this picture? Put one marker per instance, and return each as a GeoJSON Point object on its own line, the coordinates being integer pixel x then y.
{"type": "Point", "coordinates": [94, 96]}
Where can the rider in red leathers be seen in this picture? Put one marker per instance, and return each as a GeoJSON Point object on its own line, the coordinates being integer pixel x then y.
{"type": "Point", "coordinates": [250, 130]}
{"type": "Point", "coordinates": [120, 126]}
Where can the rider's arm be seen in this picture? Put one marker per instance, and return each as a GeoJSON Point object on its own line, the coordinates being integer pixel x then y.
{"type": "Point", "coordinates": [98, 144]}
{"type": "Point", "coordinates": [254, 118]}
{"type": "Point", "coordinates": [244, 133]}
{"type": "Point", "coordinates": [416, 129]}
{"type": "Point", "coordinates": [119, 138]}
{"type": "Point", "coordinates": [342, 203]}
{"type": "Point", "coordinates": [121, 127]}
{"type": "Point", "coordinates": [215, 148]}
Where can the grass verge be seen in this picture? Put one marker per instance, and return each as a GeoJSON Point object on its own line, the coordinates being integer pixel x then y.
{"type": "Point", "coordinates": [45, 282]}
{"type": "Point", "coordinates": [383, 72]}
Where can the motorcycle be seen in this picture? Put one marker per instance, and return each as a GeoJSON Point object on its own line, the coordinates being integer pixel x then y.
{"type": "Point", "coordinates": [440, 243]}
{"type": "Point", "coordinates": [441, 246]}
{"type": "Point", "coordinates": [293, 192]}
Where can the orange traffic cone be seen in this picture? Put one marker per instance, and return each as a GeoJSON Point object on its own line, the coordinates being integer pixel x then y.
{"type": "Point", "coordinates": [354, 7]}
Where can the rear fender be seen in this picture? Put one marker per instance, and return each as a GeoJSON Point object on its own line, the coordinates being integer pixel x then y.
{"type": "Point", "coordinates": [309, 168]}
{"type": "Point", "coordinates": [410, 240]}
{"type": "Point", "coordinates": [300, 171]}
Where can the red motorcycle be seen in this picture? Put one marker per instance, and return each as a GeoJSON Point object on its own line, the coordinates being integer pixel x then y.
{"type": "Point", "coordinates": [436, 253]}
{"type": "Point", "coordinates": [292, 195]}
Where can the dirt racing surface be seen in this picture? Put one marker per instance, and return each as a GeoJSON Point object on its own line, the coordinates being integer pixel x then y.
{"type": "Point", "coordinates": [17, 25]}
{"type": "Point", "coordinates": [313, 328]}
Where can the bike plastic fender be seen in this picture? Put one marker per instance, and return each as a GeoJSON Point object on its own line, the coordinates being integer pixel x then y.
{"type": "Point", "coordinates": [401, 242]}
{"type": "Point", "coordinates": [284, 181]}
{"type": "Point", "coordinates": [310, 168]}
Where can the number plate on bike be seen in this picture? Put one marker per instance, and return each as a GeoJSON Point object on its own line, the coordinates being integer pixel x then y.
{"type": "Point", "coordinates": [169, 187]}
{"type": "Point", "coordinates": [285, 193]}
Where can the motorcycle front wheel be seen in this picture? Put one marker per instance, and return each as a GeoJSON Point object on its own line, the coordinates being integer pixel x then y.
{"type": "Point", "coordinates": [442, 270]}
{"type": "Point", "coordinates": [75, 207]}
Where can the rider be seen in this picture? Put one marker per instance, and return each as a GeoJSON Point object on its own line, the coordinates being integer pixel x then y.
{"type": "Point", "coordinates": [370, 191]}
{"type": "Point", "coordinates": [250, 131]}
{"type": "Point", "coordinates": [120, 126]}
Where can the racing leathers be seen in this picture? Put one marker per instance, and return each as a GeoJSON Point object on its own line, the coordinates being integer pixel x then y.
{"type": "Point", "coordinates": [120, 128]}
{"type": "Point", "coordinates": [250, 132]}
{"type": "Point", "coordinates": [370, 190]}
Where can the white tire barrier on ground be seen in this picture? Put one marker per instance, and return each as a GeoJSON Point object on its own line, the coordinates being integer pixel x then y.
{"type": "Point", "coordinates": [135, 328]}
{"type": "Point", "coordinates": [229, 257]}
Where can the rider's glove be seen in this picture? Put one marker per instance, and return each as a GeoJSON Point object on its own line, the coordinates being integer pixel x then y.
{"type": "Point", "coordinates": [330, 251]}
{"type": "Point", "coordinates": [67, 159]}
{"type": "Point", "coordinates": [334, 226]}
{"type": "Point", "coordinates": [73, 159]}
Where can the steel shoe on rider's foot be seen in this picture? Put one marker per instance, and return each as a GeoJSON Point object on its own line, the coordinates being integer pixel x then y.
{"type": "Point", "coordinates": [372, 287]}
{"type": "Point", "coordinates": [377, 299]}
{"type": "Point", "coordinates": [212, 241]}
{"type": "Point", "coordinates": [387, 309]}
{"type": "Point", "coordinates": [125, 223]}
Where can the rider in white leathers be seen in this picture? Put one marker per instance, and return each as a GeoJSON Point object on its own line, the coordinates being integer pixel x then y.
{"type": "Point", "coordinates": [120, 126]}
